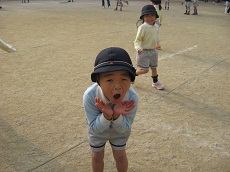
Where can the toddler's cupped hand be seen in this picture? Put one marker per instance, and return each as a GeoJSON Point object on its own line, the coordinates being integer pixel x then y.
{"type": "Point", "coordinates": [124, 107]}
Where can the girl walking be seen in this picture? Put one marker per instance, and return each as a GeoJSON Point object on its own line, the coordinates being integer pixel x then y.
{"type": "Point", "coordinates": [145, 45]}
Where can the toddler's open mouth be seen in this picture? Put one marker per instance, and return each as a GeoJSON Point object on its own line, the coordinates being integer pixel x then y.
{"type": "Point", "coordinates": [116, 96]}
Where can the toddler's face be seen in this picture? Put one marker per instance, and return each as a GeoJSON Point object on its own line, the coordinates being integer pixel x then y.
{"type": "Point", "coordinates": [115, 85]}
{"type": "Point", "coordinates": [150, 19]}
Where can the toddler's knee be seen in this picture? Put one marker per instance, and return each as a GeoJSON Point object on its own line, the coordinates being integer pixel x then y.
{"type": "Point", "coordinates": [120, 157]}
{"type": "Point", "coordinates": [97, 157]}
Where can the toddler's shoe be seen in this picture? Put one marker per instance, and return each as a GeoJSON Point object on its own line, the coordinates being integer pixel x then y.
{"type": "Point", "coordinates": [158, 85]}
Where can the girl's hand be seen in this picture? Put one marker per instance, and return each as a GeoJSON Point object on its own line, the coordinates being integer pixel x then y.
{"type": "Point", "coordinates": [104, 108]}
{"type": "Point", "coordinates": [123, 108]}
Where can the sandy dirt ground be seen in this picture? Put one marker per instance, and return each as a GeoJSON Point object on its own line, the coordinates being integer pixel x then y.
{"type": "Point", "coordinates": [185, 128]}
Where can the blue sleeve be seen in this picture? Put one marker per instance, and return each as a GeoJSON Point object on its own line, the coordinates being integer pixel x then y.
{"type": "Point", "coordinates": [93, 114]}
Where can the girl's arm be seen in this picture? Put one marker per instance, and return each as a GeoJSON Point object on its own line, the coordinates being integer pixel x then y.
{"type": "Point", "coordinates": [138, 40]}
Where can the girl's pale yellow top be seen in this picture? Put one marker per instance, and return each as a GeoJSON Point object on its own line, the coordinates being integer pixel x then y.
{"type": "Point", "coordinates": [146, 37]}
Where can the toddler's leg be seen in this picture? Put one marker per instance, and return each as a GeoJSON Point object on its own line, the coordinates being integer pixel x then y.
{"type": "Point", "coordinates": [121, 160]}
{"type": "Point", "coordinates": [141, 71]}
{"type": "Point", "coordinates": [98, 161]}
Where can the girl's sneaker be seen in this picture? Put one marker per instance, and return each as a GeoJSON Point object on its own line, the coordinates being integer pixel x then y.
{"type": "Point", "coordinates": [158, 85]}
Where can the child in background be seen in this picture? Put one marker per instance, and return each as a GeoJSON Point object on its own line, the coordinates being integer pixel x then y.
{"type": "Point", "coordinates": [119, 2]}
{"type": "Point", "coordinates": [167, 4]}
{"type": "Point", "coordinates": [158, 21]}
{"type": "Point", "coordinates": [195, 5]}
{"type": "Point", "coordinates": [110, 106]}
{"type": "Point", "coordinates": [103, 3]}
{"type": "Point", "coordinates": [145, 45]}
{"type": "Point", "coordinates": [187, 6]}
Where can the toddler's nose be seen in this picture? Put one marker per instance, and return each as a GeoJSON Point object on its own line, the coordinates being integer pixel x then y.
{"type": "Point", "coordinates": [117, 88]}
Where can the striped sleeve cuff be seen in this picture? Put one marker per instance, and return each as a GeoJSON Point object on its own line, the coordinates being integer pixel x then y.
{"type": "Point", "coordinates": [103, 120]}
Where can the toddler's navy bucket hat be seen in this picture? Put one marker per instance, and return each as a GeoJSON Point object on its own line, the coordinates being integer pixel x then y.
{"type": "Point", "coordinates": [148, 9]}
{"type": "Point", "coordinates": [113, 59]}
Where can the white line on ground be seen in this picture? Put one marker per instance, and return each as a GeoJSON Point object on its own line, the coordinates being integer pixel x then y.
{"type": "Point", "coordinates": [179, 52]}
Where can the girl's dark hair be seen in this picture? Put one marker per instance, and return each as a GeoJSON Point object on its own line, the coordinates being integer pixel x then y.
{"type": "Point", "coordinates": [140, 22]}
